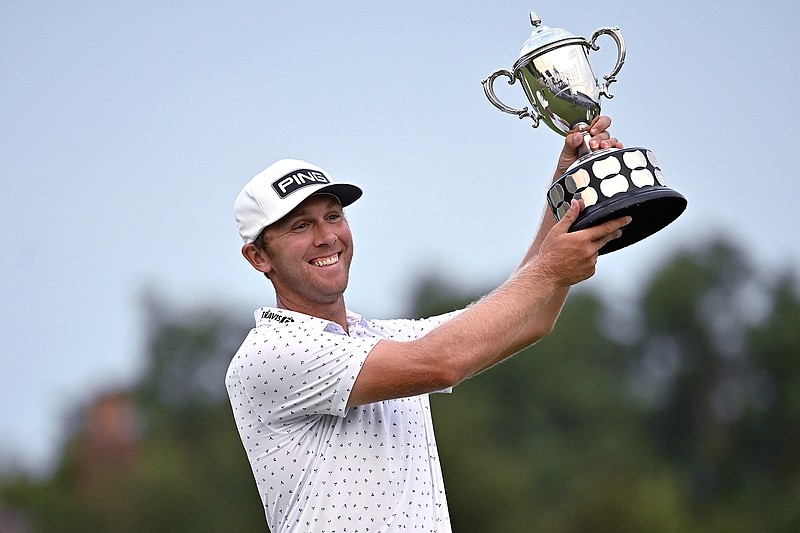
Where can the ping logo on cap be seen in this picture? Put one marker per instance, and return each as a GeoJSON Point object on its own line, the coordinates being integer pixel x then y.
{"type": "Point", "coordinates": [298, 179]}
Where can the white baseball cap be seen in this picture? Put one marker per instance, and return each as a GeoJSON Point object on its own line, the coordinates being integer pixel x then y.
{"type": "Point", "coordinates": [281, 187]}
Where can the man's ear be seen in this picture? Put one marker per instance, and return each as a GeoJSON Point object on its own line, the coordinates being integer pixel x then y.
{"type": "Point", "coordinates": [256, 257]}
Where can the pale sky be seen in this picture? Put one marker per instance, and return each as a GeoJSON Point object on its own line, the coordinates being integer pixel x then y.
{"type": "Point", "coordinates": [127, 129]}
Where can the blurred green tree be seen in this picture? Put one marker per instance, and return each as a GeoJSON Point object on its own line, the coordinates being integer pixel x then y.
{"type": "Point", "coordinates": [682, 414]}
{"type": "Point", "coordinates": [162, 456]}
{"type": "Point", "coordinates": [721, 347]}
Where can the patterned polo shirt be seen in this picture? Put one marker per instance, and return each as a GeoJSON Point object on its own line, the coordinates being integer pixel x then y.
{"type": "Point", "coordinates": [320, 466]}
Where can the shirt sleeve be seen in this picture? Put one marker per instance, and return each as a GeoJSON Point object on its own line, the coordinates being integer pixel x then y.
{"type": "Point", "coordinates": [291, 373]}
{"type": "Point", "coordinates": [412, 329]}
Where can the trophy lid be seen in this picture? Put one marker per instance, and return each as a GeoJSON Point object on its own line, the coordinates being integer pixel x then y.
{"type": "Point", "coordinates": [542, 36]}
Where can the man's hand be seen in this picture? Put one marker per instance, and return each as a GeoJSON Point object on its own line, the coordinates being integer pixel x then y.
{"type": "Point", "coordinates": [568, 258]}
{"type": "Point", "coordinates": [600, 139]}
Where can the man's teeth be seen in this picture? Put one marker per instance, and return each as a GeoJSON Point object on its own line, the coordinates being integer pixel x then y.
{"type": "Point", "coordinates": [326, 261]}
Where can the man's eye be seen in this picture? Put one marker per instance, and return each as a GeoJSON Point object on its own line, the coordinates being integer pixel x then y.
{"type": "Point", "coordinates": [300, 226]}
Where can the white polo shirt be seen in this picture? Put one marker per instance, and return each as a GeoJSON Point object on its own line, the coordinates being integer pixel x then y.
{"type": "Point", "coordinates": [319, 466]}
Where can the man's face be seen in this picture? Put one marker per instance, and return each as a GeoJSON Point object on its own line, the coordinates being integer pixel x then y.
{"type": "Point", "coordinates": [309, 253]}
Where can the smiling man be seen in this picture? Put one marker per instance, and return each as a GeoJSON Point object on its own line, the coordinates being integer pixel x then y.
{"type": "Point", "coordinates": [332, 408]}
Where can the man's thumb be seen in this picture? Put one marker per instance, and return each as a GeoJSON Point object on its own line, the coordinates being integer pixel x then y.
{"type": "Point", "coordinates": [571, 215]}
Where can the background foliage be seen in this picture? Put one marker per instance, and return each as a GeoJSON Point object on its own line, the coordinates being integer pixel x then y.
{"type": "Point", "coordinates": [679, 413]}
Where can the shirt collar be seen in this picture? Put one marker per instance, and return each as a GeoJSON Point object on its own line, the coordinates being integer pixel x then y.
{"type": "Point", "coordinates": [276, 317]}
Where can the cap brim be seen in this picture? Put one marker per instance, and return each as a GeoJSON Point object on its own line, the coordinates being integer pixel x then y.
{"type": "Point", "coordinates": [347, 193]}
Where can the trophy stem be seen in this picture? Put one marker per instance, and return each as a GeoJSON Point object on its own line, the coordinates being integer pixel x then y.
{"type": "Point", "coordinates": [584, 148]}
{"type": "Point", "coordinates": [585, 152]}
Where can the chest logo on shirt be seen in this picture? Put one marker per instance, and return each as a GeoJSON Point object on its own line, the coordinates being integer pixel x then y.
{"type": "Point", "coordinates": [298, 179]}
{"type": "Point", "coordinates": [277, 317]}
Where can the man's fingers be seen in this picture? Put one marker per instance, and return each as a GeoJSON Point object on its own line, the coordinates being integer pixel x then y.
{"type": "Point", "coordinates": [604, 140]}
{"type": "Point", "coordinates": [575, 140]}
{"type": "Point", "coordinates": [605, 239]}
{"type": "Point", "coordinates": [601, 124]}
{"type": "Point", "coordinates": [608, 230]}
{"type": "Point", "coordinates": [597, 236]}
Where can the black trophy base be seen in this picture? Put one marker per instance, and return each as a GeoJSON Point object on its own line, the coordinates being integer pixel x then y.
{"type": "Point", "coordinates": [652, 210]}
{"type": "Point", "coordinates": [614, 183]}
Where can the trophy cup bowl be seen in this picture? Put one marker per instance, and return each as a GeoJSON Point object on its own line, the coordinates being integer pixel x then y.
{"type": "Point", "coordinates": [561, 85]}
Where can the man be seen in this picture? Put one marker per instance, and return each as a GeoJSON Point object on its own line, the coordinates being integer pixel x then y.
{"type": "Point", "coordinates": [333, 408]}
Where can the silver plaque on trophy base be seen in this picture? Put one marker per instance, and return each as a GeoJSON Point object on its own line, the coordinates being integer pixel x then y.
{"type": "Point", "coordinates": [561, 85]}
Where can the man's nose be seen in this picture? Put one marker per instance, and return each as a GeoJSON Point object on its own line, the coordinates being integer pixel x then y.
{"type": "Point", "coordinates": [325, 235]}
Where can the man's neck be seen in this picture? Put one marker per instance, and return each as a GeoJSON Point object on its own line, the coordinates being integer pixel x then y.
{"type": "Point", "coordinates": [334, 312]}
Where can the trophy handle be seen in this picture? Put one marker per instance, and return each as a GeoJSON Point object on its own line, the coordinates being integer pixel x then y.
{"type": "Point", "coordinates": [488, 88]}
{"type": "Point", "coordinates": [612, 76]}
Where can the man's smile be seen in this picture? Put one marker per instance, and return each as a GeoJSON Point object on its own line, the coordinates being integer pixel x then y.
{"type": "Point", "coordinates": [325, 261]}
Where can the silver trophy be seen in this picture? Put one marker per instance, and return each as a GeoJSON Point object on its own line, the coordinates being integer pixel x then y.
{"type": "Point", "coordinates": [560, 83]}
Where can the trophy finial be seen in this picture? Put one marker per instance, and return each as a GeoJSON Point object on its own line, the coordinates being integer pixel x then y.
{"type": "Point", "coordinates": [535, 20]}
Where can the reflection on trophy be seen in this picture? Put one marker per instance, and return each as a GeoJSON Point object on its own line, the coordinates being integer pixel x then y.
{"type": "Point", "coordinates": [560, 83]}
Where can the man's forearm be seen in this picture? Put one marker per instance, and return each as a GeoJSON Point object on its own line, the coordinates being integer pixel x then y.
{"type": "Point", "coordinates": [490, 330]}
